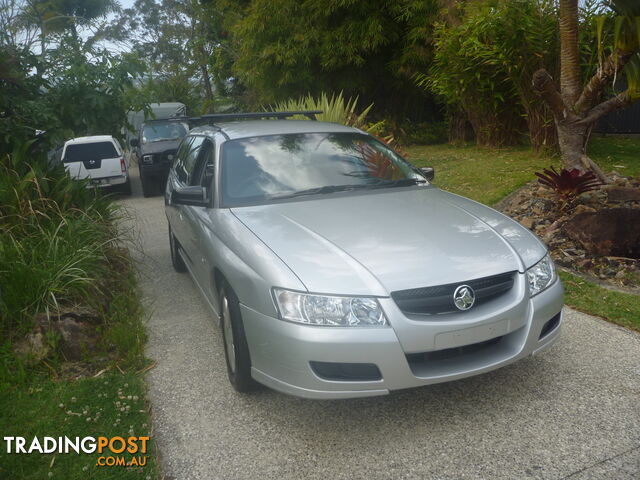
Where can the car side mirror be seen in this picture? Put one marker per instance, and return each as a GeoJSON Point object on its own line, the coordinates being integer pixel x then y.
{"type": "Point", "coordinates": [134, 142]}
{"type": "Point", "coordinates": [194, 195]}
{"type": "Point", "coordinates": [428, 172]}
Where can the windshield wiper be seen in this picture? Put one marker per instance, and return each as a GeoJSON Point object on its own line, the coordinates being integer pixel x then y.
{"type": "Point", "coordinates": [404, 182]}
{"type": "Point", "coordinates": [317, 190]}
{"type": "Point", "coordinates": [162, 139]}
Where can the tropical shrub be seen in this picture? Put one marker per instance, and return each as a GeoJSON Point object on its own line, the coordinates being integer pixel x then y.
{"type": "Point", "coordinates": [82, 97]}
{"type": "Point", "coordinates": [568, 184]}
{"type": "Point", "coordinates": [408, 132]}
{"type": "Point", "coordinates": [335, 108]}
{"type": "Point", "coordinates": [483, 65]}
{"type": "Point", "coordinates": [463, 74]}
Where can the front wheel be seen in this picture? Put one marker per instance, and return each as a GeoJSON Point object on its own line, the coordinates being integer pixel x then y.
{"type": "Point", "coordinates": [147, 186]}
{"type": "Point", "coordinates": [236, 349]}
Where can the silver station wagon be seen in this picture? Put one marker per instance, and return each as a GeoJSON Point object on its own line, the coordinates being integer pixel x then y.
{"type": "Point", "coordinates": [336, 269]}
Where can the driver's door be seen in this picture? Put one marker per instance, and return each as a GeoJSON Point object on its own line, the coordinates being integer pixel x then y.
{"type": "Point", "coordinates": [197, 218]}
{"type": "Point", "coordinates": [180, 177]}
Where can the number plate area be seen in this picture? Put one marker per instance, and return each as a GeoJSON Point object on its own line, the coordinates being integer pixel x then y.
{"type": "Point", "coordinates": [467, 336]}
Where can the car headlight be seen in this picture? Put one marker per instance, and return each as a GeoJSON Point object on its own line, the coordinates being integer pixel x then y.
{"type": "Point", "coordinates": [312, 309]}
{"type": "Point", "coordinates": [541, 275]}
{"type": "Point", "coordinates": [148, 159]}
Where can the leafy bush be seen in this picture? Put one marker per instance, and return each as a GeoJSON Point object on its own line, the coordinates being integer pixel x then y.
{"type": "Point", "coordinates": [409, 133]}
{"type": "Point", "coordinates": [334, 108]}
{"type": "Point", "coordinates": [54, 239]}
{"type": "Point", "coordinates": [568, 184]}
{"type": "Point", "coordinates": [483, 65]}
{"type": "Point", "coordinates": [367, 47]}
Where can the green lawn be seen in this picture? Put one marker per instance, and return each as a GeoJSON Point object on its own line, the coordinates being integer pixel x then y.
{"type": "Point", "coordinates": [619, 154]}
{"type": "Point", "coordinates": [42, 401]}
{"type": "Point", "coordinates": [110, 405]}
{"type": "Point", "coordinates": [617, 307]}
{"type": "Point", "coordinates": [488, 175]}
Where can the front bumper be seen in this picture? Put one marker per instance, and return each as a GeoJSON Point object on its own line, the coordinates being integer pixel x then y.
{"type": "Point", "coordinates": [281, 351]}
{"type": "Point", "coordinates": [157, 169]}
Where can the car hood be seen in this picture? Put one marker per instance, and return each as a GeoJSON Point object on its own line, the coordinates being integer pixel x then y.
{"type": "Point", "coordinates": [379, 242]}
{"type": "Point", "coordinates": [159, 147]}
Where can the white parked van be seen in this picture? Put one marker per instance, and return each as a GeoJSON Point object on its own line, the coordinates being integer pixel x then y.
{"type": "Point", "coordinates": [99, 158]}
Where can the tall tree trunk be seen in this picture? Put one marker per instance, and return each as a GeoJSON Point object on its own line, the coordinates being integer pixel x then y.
{"type": "Point", "coordinates": [575, 109]}
{"type": "Point", "coordinates": [572, 140]}
{"type": "Point", "coordinates": [570, 77]}
{"type": "Point", "coordinates": [208, 90]}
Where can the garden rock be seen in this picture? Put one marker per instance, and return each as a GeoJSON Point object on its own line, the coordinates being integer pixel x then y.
{"type": "Point", "coordinates": [613, 231]}
{"type": "Point", "coordinates": [77, 337]}
{"type": "Point", "coordinates": [624, 194]}
{"type": "Point", "coordinates": [73, 333]}
{"type": "Point", "coordinates": [548, 215]}
{"type": "Point", "coordinates": [34, 347]}
{"type": "Point", "coordinates": [583, 208]}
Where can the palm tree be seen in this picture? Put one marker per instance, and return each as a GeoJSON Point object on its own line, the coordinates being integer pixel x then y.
{"type": "Point", "coordinates": [61, 16]}
{"type": "Point", "coordinates": [576, 107]}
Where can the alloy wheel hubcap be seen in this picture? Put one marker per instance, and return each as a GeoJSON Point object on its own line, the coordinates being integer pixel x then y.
{"type": "Point", "coordinates": [228, 335]}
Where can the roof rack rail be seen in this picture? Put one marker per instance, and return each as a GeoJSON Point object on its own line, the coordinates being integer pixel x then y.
{"type": "Point", "coordinates": [221, 117]}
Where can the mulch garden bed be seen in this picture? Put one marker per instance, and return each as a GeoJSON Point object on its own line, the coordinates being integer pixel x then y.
{"type": "Point", "coordinates": [596, 234]}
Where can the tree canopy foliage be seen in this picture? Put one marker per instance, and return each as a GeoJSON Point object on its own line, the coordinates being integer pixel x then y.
{"type": "Point", "coordinates": [369, 48]}
{"type": "Point", "coordinates": [56, 84]}
{"type": "Point", "coordinates": [413, 59]}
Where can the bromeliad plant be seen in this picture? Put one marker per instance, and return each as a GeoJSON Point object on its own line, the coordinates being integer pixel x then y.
{"type": "Point", "coordinates": [568, 184]}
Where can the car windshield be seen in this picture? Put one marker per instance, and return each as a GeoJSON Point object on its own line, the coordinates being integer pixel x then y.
{"type": "Point", "coordinates": [158, 132]}
{"type": "Point", "coordinates": [79, 152]}
{"type": "Point", "coordinates": [262, 169]}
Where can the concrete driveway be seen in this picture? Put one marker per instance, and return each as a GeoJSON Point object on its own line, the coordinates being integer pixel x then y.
{"type": "Point", "coordinates": [572, 412]}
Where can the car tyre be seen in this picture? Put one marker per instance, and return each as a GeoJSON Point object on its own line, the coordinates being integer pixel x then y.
{"type": "Point", "coordinates": [125, 188]}
{"type": "Point", "coordinates": [236, 349]}
{"type": "Point", "coordinates": [146, 184]}
{"type": "Point", "coordinates": [176, 260]}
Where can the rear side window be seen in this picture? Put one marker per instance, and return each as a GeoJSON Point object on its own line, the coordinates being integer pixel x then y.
{"type": "Point", "coordinates": [90, 151]}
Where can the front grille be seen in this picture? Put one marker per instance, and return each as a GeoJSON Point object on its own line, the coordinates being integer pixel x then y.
{"type": "Point", "coordinates": [439, 299]}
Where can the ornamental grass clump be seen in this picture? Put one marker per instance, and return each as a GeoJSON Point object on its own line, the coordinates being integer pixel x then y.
{"type": "Point", "coordinates": [57, 239]}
